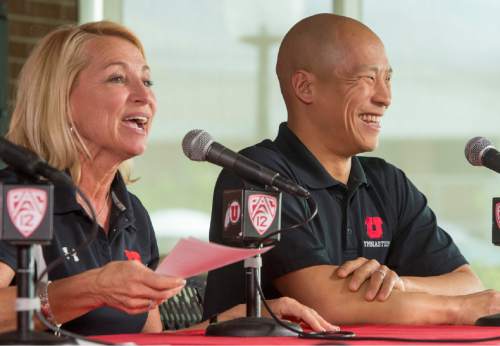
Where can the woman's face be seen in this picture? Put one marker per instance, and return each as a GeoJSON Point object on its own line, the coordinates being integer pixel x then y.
{"type": "Point", "coordinates": [111, 101]}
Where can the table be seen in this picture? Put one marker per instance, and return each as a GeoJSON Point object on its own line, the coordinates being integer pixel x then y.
{"type": "Point", "coordinates": [196, 337]}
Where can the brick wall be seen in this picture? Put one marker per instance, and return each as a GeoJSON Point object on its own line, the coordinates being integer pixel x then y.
{"type": "Point", "coordinates": [28, 21]}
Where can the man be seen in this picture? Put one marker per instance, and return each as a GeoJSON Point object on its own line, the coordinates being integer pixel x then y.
{"type": "Point", "coordinates": [396, 264]}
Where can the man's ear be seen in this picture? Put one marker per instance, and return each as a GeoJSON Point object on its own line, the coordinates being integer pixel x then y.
{"type": "Point", "coordinates": [302, 84]}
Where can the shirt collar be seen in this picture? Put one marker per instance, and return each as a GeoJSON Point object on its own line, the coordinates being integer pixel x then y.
{"type": "Point", "coordinates": [65, 198]}
{"type": "Point", "coordinates": [357, 176]}
{"type": "Point", "coordinates": [308, 168]}
{"type": "Point", "coordinates": [122, 203]}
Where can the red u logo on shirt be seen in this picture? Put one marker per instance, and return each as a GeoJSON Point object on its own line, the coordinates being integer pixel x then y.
{"type": "Point", "coordinates": [374, 227]}
{"type": "Point", "coordinates": [132, 255]}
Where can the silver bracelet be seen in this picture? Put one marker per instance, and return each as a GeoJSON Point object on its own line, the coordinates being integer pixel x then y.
{"type": "Point", "coordinates": [45, 306]}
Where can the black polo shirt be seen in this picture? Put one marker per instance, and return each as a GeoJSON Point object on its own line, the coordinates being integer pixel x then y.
{"type": "Point", "coordinates": [130, 236]}
{"type": "Point", "coordinates": [379, 215]}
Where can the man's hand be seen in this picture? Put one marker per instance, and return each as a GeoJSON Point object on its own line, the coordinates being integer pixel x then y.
{"type": "Point", "coordinates": [382, 279]}
{"type": "Point", "coordinates": [285, 307]}
{"type": "Point", "coordinates": [132, 287]}
{"type": "Point", "coordinates": [470, 307]}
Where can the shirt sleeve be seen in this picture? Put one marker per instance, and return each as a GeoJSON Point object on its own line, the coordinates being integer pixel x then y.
{"type": "Point", "coordinates": [8, 254]}
{"type": "Point", "coordinates": [298, 248]}
{"type": "Point", "coordinates": [420, 247]}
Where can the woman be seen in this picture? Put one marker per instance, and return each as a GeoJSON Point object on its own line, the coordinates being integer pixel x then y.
{"type": "Point", "coordinates": [85, 104]}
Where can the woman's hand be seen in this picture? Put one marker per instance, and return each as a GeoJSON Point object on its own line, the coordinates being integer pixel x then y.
{"type": "Point", "coordinates": [285, 307]}
{"type": "Point", "coordinates": [132, 287]}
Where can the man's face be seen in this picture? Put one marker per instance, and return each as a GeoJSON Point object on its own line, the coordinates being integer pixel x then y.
{"type": "Point", "coordinates": [353, 94]}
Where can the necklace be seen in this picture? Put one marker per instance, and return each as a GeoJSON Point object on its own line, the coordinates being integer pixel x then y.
{"type": "Point", "coordinates": [104, 205]}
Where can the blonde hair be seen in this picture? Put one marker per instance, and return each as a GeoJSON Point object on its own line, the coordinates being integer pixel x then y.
{"type": "Point", "coordinates": [42, 120]}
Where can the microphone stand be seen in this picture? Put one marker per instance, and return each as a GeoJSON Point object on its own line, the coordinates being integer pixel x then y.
{"type": "Point", "coordinates": [26, 303]}
{"type": "Point", "coordinates": [253, 324]}
{"type": "Point", "coordinates": [252, 277]}
{"type": "Point", "coordinates": [492, 320]}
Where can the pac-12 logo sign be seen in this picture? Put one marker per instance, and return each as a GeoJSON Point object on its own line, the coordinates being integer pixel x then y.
{"type": "Point", "coordinates": [262, 211]}
{"type": "Point", "coordinates": [497, 214]}
{"type": "Point", "coordinates": [233, 213]}
{"type": "Point", "coordinates": [374, 227]}
{"type": "Point", "coordinates": [26, 207]}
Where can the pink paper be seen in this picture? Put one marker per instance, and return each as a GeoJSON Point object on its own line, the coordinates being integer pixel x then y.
{"type": "Point", "coordinates": [192, 256]}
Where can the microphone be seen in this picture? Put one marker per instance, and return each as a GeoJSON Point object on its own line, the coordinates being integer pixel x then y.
{"type": "Point", "coordinates": [479, 151]}
{"type": "Point", "coordinates": [198, 145]}
{"type": "Point", "coordinates": [27, 162]}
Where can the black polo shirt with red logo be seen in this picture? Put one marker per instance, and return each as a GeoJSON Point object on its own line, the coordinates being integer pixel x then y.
{"type": "Point", "coordinates": [379, 215]}
{"type": "Point", "coordinates": [130, 237]}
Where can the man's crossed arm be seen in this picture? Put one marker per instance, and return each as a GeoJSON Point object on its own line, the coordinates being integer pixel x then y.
{"type": "Point", "coordinates": [445, 299]}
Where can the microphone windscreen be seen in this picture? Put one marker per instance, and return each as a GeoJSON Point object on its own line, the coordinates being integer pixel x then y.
{"type": "Point", "coordinates": [196, 144]}
{"type": "Point", "coordinates": [474, 150]}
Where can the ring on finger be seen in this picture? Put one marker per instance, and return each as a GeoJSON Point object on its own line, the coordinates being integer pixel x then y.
{"type": "Point", "coordinates": [382, 272]}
